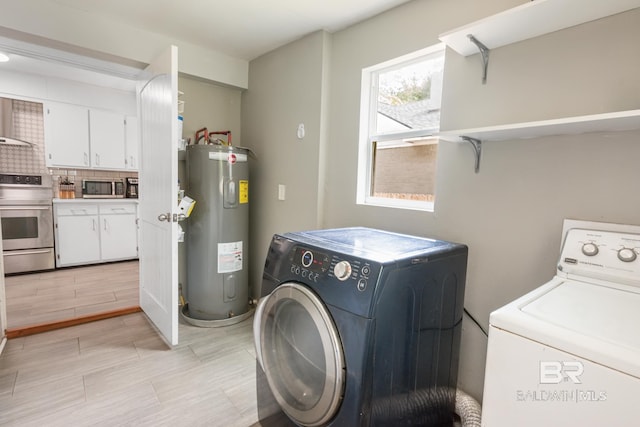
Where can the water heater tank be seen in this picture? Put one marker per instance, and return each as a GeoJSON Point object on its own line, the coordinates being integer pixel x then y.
{"type": "Point", "coordinates": [217, 233]}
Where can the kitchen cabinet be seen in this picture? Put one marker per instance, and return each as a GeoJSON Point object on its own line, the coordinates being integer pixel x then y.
{"type": "Point", "coordinates": [89, 232]}
{"type": "Point", "coordinates": [132, 145]}
{"type": "Point", "coordinates": [77, 234]}
{"type": "Point", "coordinates": [118, 231]}
{"type": "Point", "coordinates": [107, 139]}
{"type": "Point", "coordinates": [66, 134]}
{"type": "Point", "coordinates": [88, 138]}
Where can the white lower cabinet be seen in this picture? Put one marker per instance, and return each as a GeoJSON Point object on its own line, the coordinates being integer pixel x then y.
{"type": "Point", "coordinates": [89, 233]}
{"type": "Point", "coordinates": [77, 235]}
{"type": "Point", "coordinates": [118, 230]}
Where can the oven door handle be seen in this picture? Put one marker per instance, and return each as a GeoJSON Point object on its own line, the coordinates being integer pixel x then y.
{"type": "Point", "coordinates": [16, 253]}
{"type": "Point", "coordinates": [24, 208]}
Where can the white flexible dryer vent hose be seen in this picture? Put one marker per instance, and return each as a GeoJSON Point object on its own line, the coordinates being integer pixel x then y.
{"type": "Point", "coordinates": [468, 409]}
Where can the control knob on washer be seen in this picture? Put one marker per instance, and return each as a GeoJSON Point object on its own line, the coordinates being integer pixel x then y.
{"type": "Point", "coordinates": [627, 255]}
{"type": "Point", "coordinates": [342, 270]}
{"type": "Point", "coordinates": [589, 249]}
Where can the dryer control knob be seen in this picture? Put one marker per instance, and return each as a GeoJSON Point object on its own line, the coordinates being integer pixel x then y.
{"type": "Point", "coordinates": [589, 249]}
{"type": "Point", "coordinates": [342, 270]}
{"type": "Point", "coordinates": [627, 255]}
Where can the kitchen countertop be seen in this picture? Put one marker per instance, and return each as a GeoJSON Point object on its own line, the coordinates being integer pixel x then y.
{"type": "Point", "coordinates": [94, 201]}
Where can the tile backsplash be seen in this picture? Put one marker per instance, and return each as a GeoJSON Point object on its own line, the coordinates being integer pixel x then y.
{"type": "Point", "coordinates": [29, 123]}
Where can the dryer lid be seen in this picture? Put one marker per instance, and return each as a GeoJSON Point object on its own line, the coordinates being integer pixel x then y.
{"type": "Point", "coordinates": [376, 245]}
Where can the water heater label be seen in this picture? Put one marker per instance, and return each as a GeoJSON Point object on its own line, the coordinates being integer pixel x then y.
{"type": "Point", "coordinates": [229, 257]}
{"type": "Point", "coordinates": [228, 157]}
{"type": "Point", "coordinates": [243, 196]}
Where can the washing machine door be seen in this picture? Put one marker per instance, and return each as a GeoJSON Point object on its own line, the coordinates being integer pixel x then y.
{"type": "Point", "coordinates": [299, 349]}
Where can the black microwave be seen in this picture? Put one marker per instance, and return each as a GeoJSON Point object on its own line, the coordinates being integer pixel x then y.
{"type": "Point", "coordinates": [103, 188]}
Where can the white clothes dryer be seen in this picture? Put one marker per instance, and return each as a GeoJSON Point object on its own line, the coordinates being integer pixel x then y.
{"type": "Point", "coordinates": [568, 353]}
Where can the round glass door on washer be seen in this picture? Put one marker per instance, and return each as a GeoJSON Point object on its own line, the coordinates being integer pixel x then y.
{"type": "Point", "coordinates": [359, 327]}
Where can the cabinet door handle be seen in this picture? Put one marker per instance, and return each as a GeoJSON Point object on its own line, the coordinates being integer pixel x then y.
{"type": "Point", "coordinates": [97, 159]}
{"type": "Point", "coordinates": [93, 221]}
{"type": "Point", "coordinates": [86, 159]}
{"type": "Point", "coordinates": [105, 224]}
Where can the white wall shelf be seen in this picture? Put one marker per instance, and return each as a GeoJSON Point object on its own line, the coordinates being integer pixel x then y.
{"type": "Point", "coordinates": [530, 20]}
{"type": "Point", "coordinates": [606, 122]}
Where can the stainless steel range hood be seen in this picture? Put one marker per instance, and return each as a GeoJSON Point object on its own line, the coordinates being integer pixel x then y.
{"type": "Point", "coordinates": [9, 132]}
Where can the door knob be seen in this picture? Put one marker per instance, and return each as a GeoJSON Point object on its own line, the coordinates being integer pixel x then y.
{"type": "Point", "coordinates": [164, 217]}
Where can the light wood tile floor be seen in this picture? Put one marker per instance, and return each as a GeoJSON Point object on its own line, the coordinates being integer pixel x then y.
{"type": "Point", "coordinates": [70, 292]}
{"type": "Point", "coordinates": [118, 372]}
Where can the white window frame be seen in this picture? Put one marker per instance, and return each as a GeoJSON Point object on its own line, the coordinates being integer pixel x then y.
{"type": "Point", "coordinates": [368, 112]}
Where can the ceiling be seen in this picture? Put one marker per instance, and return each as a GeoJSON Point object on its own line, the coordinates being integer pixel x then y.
{"type": "Point", "coordinates": [242, 29]}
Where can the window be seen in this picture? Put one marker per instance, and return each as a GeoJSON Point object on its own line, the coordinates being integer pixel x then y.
{"type": "Point", "coordinates": [399, 116]}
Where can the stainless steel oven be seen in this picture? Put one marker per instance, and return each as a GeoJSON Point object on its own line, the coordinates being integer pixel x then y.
{"type": "Point", "coordinates": [26, 216]}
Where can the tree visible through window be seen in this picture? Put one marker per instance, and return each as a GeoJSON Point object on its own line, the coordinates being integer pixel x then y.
{"type": "Point", "coordinates": [401, 113]}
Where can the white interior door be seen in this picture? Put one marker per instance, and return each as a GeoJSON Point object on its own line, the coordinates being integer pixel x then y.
{"type": "Point", "coordinates": [158, 113]}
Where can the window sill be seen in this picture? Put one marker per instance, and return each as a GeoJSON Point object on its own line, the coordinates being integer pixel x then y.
{"type": "Point", "coordinates": [398, 204]}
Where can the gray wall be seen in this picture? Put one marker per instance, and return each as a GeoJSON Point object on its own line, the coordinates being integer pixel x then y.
{"type": "Point", "coordinates": [215, 107]}
{"type": "Point", "coordinates": [287, 89]}
{"type": "Point", "coordinates": [511, 213]}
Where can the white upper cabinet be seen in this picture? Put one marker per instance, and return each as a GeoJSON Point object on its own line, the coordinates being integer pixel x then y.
{"type": "Point", "coordinates": [66, 134]}
{"type": "Point", "coordinates": [106, 130]}
{"type": "Point", "coordinates": [87, 138]}
{"type": "Point", "coordinates": [132, 146]}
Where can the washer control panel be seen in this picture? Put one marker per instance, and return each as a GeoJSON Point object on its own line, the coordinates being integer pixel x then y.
{"type": "Point", "coordinates": [604, 255]}
{"type": "Point", "coordinates": [313, 266]}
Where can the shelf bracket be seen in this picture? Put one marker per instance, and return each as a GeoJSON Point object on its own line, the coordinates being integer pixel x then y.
{"type": "Point", "coordinates": [484, 52]}
{"type": "Point", "coordinates": [477, 148]}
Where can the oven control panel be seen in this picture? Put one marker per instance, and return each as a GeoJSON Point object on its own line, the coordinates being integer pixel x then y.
{"type": "Point", "coordinates": [20, 179]}
{"type": "Point", "coordinates": [603, 255]}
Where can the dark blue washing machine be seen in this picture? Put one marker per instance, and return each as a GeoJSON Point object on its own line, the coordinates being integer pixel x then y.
{"type": "Point", "coordinates": [359, 327]}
